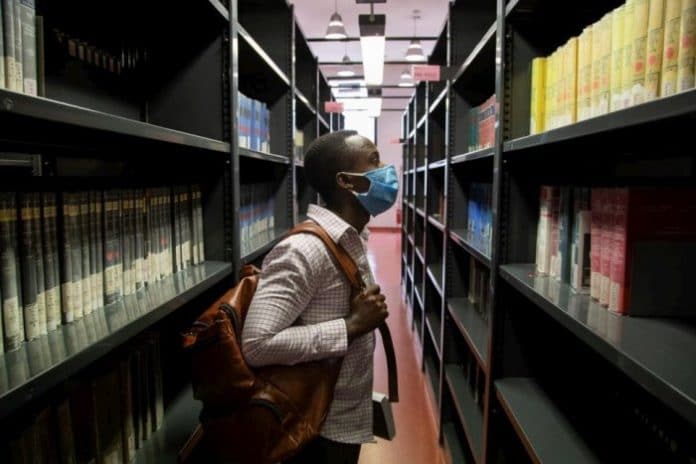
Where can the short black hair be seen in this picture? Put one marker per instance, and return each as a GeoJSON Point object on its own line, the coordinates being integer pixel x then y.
{"type": "Point", "coordinates": [325, 157]}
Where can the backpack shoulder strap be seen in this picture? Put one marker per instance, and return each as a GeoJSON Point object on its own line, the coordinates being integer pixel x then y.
{"type": "Point", "coordinates": [350, 269]}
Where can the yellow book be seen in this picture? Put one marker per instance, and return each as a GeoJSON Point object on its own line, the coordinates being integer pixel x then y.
{"type": "Point", "coordinates": [605, 65]}
{"type": "Point", "coordinates": [627, 73]}
{"type": "Point", "coordinates": [570, 91]}
{"type": "Point", "coordinates": [640, 48]}
{"type": "Point", "coordinates": [670, 50]}
{"type": "Point", "coordinates": [536, 120]}
{"type": "Point", "coordinates": [585, 74]}
{"type": "Point", "coordinates": [656, 36]}
{"type": "Point", "coordinates": [617, 61]}
{"type": "Point", "coordinates": [551, 95]}
{"type": "Point", "coordinates": [596, 66]}
{"type": "Point", "coordinates": [687, 52]}
{"type": "Point", "coordinates": [560, 93]}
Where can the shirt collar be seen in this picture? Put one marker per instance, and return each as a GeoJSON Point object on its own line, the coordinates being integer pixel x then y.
{"type": "Point", "coordinates": [332, 223]}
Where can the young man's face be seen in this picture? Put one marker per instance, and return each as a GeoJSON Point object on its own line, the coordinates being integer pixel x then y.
{"type": "Point", "coordinates": [365, 157]}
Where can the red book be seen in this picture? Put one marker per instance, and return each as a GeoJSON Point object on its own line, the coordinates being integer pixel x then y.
{"type": "Point", "coordinates": [650, 219]}
{"type": "Point", "coordinates": [595, 232]}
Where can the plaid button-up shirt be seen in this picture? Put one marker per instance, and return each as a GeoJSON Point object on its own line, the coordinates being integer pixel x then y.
{"type": "Point", "coordinates": [297, 315]}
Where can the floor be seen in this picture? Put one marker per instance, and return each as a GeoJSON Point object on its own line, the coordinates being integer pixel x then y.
{"type": "Point", "coordinates": [416, 440]}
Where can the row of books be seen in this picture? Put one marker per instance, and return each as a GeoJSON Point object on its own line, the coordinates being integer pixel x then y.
{"type": "Point", "coordinates": [642, 50]}
{"type": "Point", "coordinates": [257, 216]}
{"type": "Point", "coordinates": [479, 290]}
{"type": "Point", "coordinates": [254, 124]}
{"type": "Point", "coordinates": [482, 125]}
{"type": "Point", "coordinates": [18, 63]}
{"type": "Point", "coordinates": [479, 217]}
{"type": "Point", "coordinates": [103, 417]}
{"type": "Point", "coordinates": [298, 145]}
{"type": "Point", "coordinates": [63, 256]}
{"type": "Point", "coordinates": [628, 247]}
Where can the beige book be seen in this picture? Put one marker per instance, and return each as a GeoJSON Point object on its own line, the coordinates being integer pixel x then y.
{"type": "Point", "coordinates": [585, 74]}
{"type": "Point", "coordinates": [687, 52]}
{"type": "Point", "coordinates": [617, 61]}
{"type": "Point", "coordinates": [656, 35]}
{"type": "Point", "coordinates": [571, 81]}
{"type": "Point", "coordinates": [605, 69]}
{"type": "Point", "coordinates": [640, 48]}
{"type": "Point", "coordinates": [670, 50]}
{"type": "Point", "coordinates": [627, 72]}
{"type": "Point", "coordinates": [596, 67]}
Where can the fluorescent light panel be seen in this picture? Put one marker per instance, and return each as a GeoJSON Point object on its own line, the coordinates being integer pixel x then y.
{"type": "Point", "coordinates": [372, 45]}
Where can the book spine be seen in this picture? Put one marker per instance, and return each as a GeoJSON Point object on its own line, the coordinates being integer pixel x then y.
{"type": "Point", "coordinates": [641, 17]}
{"type": "Point", "coordinates": [687, 50]}
{"type": "Point", "coordinates": [51, 262]}
{"type": "Point", "coordinates": [606, 244]}
{"type": "Point", "coordinates": [188, 230]}
{"type": "Point", "coordinates": [543, 255]}
{"type": "Point", "coordinates": [19, 66]}
{"type": "Point", "coordinates": [93, 251]}
{"type": "Point", "coordinates": [9, 43]}
{"type": "Point", "coordinates": [195, 239]}
{"type": "Point", "coordinates": [199, 216]}
{"type": "Point", "coordinates": [28, 19]}
{"type": "Point", "coordinates": [162, 225]}
{"type": "Point", "coordinates": [168, 226]}
{"type": "Point", "coordinates": [596, 199]}
{"type": "Point", "coordinates": [670, 50]}
{"type": "Point", "coordinates": [571, 85]}
{"type": "Point", "coordinates": [554, 267]}
{"type": "Point", "coordinates": [12, 315]}
{"type": "Point", "coordinates": [100, 249]}
{"type": "Point", "coordinates": [140, 279]}
{"type": "Point", "coordinates": [178, 260]}
{"type": "Point", "coordinates": [37, 241]}
{"type": "Point", "coordinates": [29, 273]}
{"type": "Point", "coordinates": [76, 255]}
{"type": "Point", "coordinates": [3, 53]}
{"type": "Point", "coordinates": [149, 239]}
{"type": "Point", "coordinates": [580, 261]}
{"type": "Point", "coordinates": [87, 303]}
{"type": "Point", "coordinates": [627, 71]}
{"type": "Point", "coordinates": [605, 65]}
{"type": "Point", "coordinates": [656, 35]}
{"type": "Point", "coordinates": [618, 250]}
{"type": "Point", "coordinates": [110, 249]}
{"type": "Point", "coordinates": [564, 232]}
{"type": "Point", "coordinates": [118, 233]}
{"type": "Point", "coordinates": [617, 60]}
{"type": "Point", "coordinates": [126, 416]}
{"type": "Point", "coordinates": [585, 74]}
{"type": "Point", "coordinates": [597, 36]}
{"type": "Point", "coordinates": [66, 281]}
{"type": "Point", "coordinates": [126, 242]}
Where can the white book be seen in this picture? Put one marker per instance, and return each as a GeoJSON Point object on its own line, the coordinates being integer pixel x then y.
{"type": "Point", "coordinates": [3, 57]}
{"type": "Point", "coordinates": [9, 44]}
{"type": "Point", "coordinates": [28, 21]}
{"type": "Point", "coordinates": [19, 70]}
{"type": "Point", "coordinates": [544, 231]}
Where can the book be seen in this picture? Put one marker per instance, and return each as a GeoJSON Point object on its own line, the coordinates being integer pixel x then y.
{"type": "Point", "coordinates": [140, 241]}
{"type": "Point", "coordinates": [605, 245]}
{"type": "Point", "coordinates": [617, 60]}
{"type": "Point", "coordinates": [555, 232]}
{"type": "Point", "coordinates": [585, 74]}
{"type": "Point", "coordinates": [198, 217]}
{"type": "Point", "coordinates": [580, 275]}
{"type": "Point", "coordinates": [605, 64]}
{"type": "Point", "coordinates": [3, 54]}
{"type": "Point", "coordinates": [68, 284]}
{"type": "Point", "coordinates": [597, 37]}
{"type": "Point", "coordinates": [641, 16]}
{"type": "Point", "coordinates": [29, 71]}
{"type": "Point", "coordinates": [19, 58]}
{"type": "Point", "coordinates": [84, 420]}
{"type": "Point", "coordinates": [178, 260]}
{"type": "Point", "coordinates": [687, 50]}
{"type": "Point", "coordinates": [126, 243]}
{"type": "Point", "coordinates": [564, 234]}
{"type": "Point", "coordinates": [66, 439]}
{"type": "Point", "coordinates": [9, 24]}
{"type": "Point", "coordinates": [40, 57]}
{"type": "Point", "coordinates": [94, 251]}
{"type": "Point", "coordinates": [128, 442]}
{"type": "Point", "coordinates": [112, 248]}
{"type": "Point", "coordinates": [30, 287]}
{"type": "Point", "coordinates": [107, 410]}
{"type": "Point", "coordinates": [86, 284]}
{"type": "Point", "coordinates": [51, 261]}
{"type": "Point", "coordinates": [543, 250]}
{"type": "Point", "coordinates": [656, 34]}
{"type": "Point", "coordinates": [570, 87]}
{"type": "Point", "coordinates": [38, 254]}
{"type": "Point", "coordinates": [597, 199]}
{"type": "Point", "coordinates": [627, 71]}
{"type": "Point", "coordinates": [12, 308]}
{"type": "Point", "coordinates": [670, 50]}
{"type": "Point", "coordinates": [99, 252]}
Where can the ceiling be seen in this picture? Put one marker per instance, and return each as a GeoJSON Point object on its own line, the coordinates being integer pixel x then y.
{"type": "Point", "coordinates": [313, 18]}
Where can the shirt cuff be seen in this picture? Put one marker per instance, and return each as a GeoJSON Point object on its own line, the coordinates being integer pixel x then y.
{"type": "Point", "coordinates": [334, 337]}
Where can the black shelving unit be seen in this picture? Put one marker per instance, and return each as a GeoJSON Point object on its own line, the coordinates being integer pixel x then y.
{"type": "Point", "coordinates": [539, 373]}
{"type": "Point", "coordinates": [169, 116]}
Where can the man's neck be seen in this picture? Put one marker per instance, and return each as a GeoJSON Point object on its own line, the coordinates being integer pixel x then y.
{"type": "Point", "coordinates": [353, 214]}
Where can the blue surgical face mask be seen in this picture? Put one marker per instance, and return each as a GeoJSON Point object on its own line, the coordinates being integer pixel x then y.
{"type": "Point", "coordinates": [384, 188]}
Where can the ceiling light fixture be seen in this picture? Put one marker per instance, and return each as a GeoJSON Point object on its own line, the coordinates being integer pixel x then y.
{"type": "Point", "coordinates": [336, 29]}
{"type": "Point", "coordinates": [346, 71]}
{"type": "Point", "coordinates": [406, 79]}
{"type": "Point", "coordinates": [415, 49]}
{"type": "Point", "coordinates": [372, 44]}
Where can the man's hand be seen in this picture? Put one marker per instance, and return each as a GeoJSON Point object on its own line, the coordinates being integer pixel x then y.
{"type": "Point", "coordinates": [367, 311]}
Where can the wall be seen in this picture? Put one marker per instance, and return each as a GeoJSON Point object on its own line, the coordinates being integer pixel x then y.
{"type": "Point", "coordinates": [388, 129]}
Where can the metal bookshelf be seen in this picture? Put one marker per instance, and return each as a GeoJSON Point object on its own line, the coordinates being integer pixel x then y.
{"type": "Point", "coordinates": [176, 123]}
{"type": "Point", "coordinates": [535, 376]}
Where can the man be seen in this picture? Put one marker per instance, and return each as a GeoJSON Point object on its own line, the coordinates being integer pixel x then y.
{"type": "Point", "coordinates": [303, 309]}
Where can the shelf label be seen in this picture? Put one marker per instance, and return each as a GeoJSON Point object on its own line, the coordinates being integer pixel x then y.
{"type": "Point", "coordinates": [333, 107]}
{"type": "Point", "coordinates": [425, 72]}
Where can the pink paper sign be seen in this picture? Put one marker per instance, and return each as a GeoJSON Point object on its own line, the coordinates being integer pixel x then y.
{"type": "Point", "coordinates": [333, 107]}
{"type": "Point", "coordinates": [426, 72]}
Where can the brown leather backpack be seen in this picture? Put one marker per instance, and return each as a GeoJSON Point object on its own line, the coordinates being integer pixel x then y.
{"type": "Point", "coordinates": [267, 414]}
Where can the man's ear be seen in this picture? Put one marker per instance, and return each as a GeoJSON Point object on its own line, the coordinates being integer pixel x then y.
{"type": "Point", "coordinates": [344, 181]}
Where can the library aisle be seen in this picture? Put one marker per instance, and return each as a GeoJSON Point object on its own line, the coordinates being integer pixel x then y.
{"type": "Point", "coordinates": [416, 438]}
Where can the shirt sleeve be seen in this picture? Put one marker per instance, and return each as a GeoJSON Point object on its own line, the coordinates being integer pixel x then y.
{"type": "Point", "coordinates": [290, 277]}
